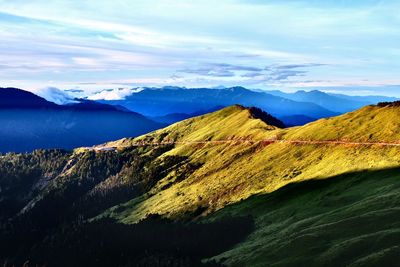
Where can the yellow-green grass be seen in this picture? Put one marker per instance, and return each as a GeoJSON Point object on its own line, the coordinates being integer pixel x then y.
{"type": "Point", "coordinates": [233, 122]}
{"type": "Point", "coordinates": [231, 172]}
{"type": "Point", "coordinates": [370, 123]}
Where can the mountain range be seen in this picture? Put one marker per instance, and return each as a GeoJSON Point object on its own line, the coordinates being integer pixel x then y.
{"type": "Point", "coordinates": [30, 122]}
{"type": "Point", "coordinates": [162, 101]}
{"type": "Point", "coordinates": [171, 104]}
{"type": "Point", "coordinates": [199, 193]}
{"type": "Point", "coordinates": [335, 102]}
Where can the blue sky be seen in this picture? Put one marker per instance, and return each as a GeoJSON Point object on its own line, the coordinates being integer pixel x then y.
{"type": "Point", "coordinates": [342, 46]}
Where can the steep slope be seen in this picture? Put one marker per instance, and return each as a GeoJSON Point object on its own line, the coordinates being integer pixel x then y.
{"type": "Point", "coordinates": [235, 122]}
{"type": "Point", "coordinates": [347, 220]}
{"type": "Point", "coordinates": [254, 158]}
{"type": "Point", "coordinates": [375, 123]}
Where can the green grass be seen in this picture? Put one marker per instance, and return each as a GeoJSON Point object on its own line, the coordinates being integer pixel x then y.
{"type": "Point", "coordinates": [234, 122]}
{"type": "Point", "coordinates": [229, 173]}
{"type": "Point", "coordinates": [370, 123]}
{"type": "Point", "coordinates": [351, 219]}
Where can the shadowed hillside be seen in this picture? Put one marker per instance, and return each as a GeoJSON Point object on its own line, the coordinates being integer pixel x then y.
{"type": "Point", "coordinates": [349, 219]}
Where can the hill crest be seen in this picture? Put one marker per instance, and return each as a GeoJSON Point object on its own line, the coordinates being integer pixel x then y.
{"type": "Point", "coordinates": [18, 98]}
{"type": "Point", "coordinates": [231, 123]}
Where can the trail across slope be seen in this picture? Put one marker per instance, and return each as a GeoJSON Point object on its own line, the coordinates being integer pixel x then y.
{"type": "Point", "coordinates": [247, 141]}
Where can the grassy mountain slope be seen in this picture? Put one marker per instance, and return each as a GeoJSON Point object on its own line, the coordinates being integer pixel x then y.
{"type": "Point", "coordinates": [229, 172]}
{"type": "Point", "coordinates": [235, 122]}
{"type": "Point", "coordinates": [370, 123]}
{"type": "Point", "coordinates": [347, 220]}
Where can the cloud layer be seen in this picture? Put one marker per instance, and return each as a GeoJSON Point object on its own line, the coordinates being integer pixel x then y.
{"type": "Point", "coordinates": [55, 95]}
{"type": "Point", "coordinates": [91, 45]}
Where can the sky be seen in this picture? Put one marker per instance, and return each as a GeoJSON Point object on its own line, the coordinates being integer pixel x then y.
{"type": "Point", "coordinates": [86, 46]}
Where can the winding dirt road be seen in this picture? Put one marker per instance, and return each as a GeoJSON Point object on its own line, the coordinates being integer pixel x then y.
{"type": "Point", "coordinates": [250, 142]}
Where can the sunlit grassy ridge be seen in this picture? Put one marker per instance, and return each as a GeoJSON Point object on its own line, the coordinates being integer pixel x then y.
{"type": "Point", "coordinates": [233, 122]}
{"type": "Point", "coordinates": [230, 172]}
{"type": "Point", "coordinates": [371, 123]}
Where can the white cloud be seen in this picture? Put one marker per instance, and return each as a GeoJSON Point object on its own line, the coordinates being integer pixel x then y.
{"type": "Point", "coordinates": [111, 94]}
{"type": "Point", "coordinates": [55, 95]}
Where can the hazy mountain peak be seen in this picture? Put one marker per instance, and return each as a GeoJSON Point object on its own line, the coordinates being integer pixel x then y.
{"type": "Point", "coordinates": [18, 98]}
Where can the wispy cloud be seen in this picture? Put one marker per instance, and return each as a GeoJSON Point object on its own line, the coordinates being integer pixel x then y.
{"type": "Point", "coordinates": [220, 70]}
{"type": "Point", "coordinates": [270, 73]}
{"type": "Point", "coordinates": [285, 74]}
{"type": "Point", "coordinates": [295, 66]}
{"type": "Point", "coordinates": [90, 44]}
{"type": "Point", "coordinates": [55, 95]}
{"type": "Point", "coordinates": [276, 73]}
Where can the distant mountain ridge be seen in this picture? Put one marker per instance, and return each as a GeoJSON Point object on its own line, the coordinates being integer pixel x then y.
{"type": "Point", "coordinates": [176, 117]}
{"type": "Point", "coordinates": [156, 102]}
{"type": "Point", "coordinates": [335, 102]}
{"type": "Point", "coordinates": [171, 104]}
{"type": "Point", "coordinates": [30, 122]}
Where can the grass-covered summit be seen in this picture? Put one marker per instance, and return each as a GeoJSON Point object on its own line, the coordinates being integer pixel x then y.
{"type": "Point", "coordinates": [234, 122]}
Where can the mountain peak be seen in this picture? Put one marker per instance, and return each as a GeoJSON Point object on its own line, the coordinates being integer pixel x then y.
{"type": "Point", "coordinates": [18, 98]}
{"type": "Point", "coordinates": [245, 123]}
